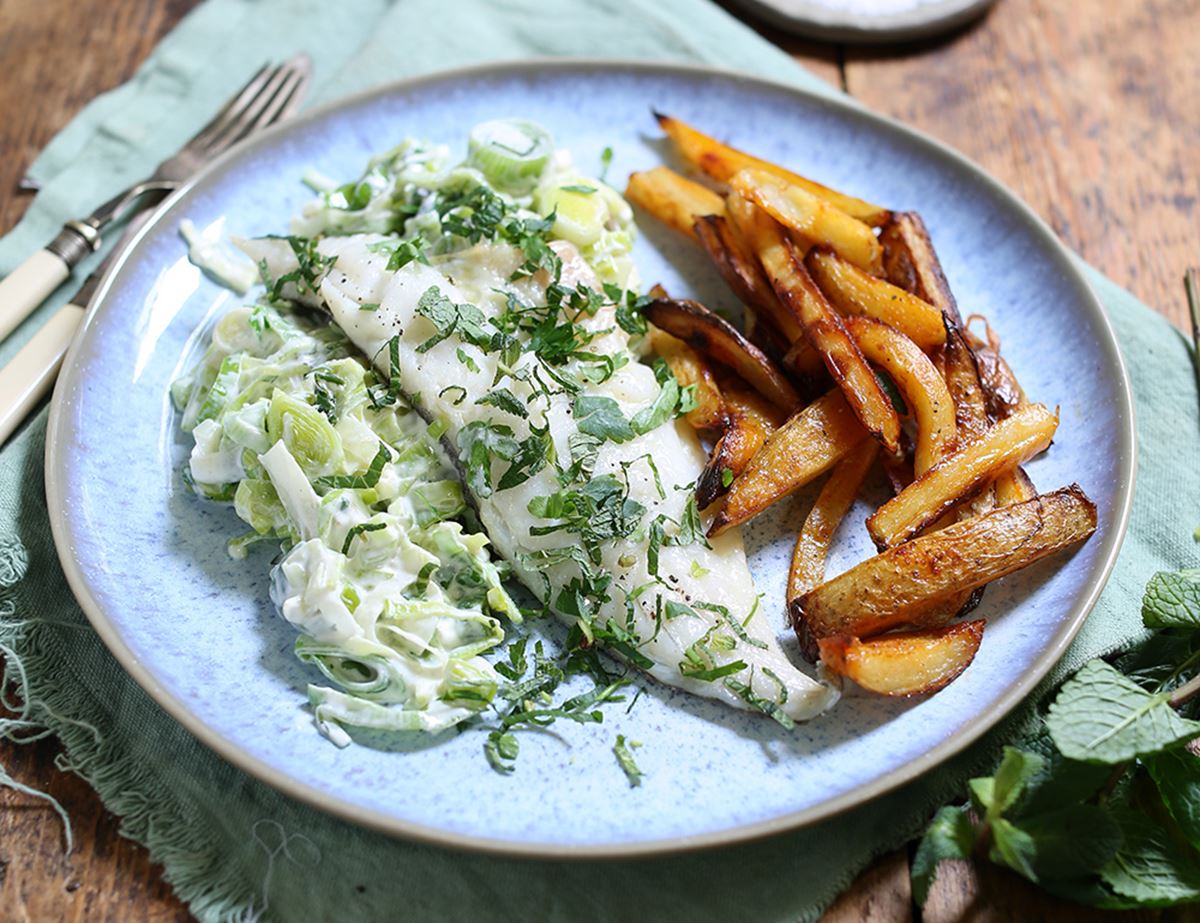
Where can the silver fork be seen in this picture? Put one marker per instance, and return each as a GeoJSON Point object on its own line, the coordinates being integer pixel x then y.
{"type": "Point", "coordinates": [271, 94]}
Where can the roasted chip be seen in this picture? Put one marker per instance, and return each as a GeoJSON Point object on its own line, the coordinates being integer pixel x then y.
{"type": "Point", "coordinates": [721, 161]}
{"type": "Point", "coordinates": [888, 590]}
{"type": "Point", "coordinates": [907, 663]}
{"type": "Point", "coordinates": [959, 475]}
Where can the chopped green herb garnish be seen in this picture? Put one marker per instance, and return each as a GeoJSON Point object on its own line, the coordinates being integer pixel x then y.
{"type": "Point", "coordinates": [358, 530]}
{"type": "Point", "coordinates": [606, 157]}
{"type": "Point", "coordinates": [622, 751]}
{"type": "Point", "coordinates": [358, 481]}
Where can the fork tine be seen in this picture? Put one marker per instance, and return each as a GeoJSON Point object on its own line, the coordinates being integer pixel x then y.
{"type": "Point", "coordinates": [237, 125]}
{"type": "Point", "coordinates": [247, 93]}
{"type": "Point", "coordinates": [283, 103]}
{"type": "Point", "coordinates": [302, 65]}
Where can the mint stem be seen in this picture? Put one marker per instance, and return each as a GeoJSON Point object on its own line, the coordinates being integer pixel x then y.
{"type": "Point", "coordinates": [1185, 693]}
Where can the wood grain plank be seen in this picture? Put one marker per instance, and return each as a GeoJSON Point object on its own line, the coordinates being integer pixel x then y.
{"type": "Point", "coordinates": [62, 53]}
{"type": "Point", "coordinates": [968, 893]}
{"type": "Point", "coordinates": [1086, 109]}
{"type": "Point", "coordinates": [881, 894]}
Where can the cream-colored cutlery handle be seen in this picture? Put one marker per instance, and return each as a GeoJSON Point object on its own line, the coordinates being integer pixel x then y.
{"type": "Point", "coordinates": [28, 286]}
{"type": "Point", "coordinates": [28, 375]}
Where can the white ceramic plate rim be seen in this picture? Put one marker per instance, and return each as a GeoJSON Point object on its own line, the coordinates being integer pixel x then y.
{"type": "Point", "coordinates": [57, 438]}
{"type": "Point", "coordinates": [816, 19]}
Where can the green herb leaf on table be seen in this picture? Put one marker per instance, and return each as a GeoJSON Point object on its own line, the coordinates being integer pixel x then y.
{"type": "Point", "coordinates": [1172, 600]}
{"type": "Point", "coordinates": [1070, 842]}
{"type": "Point", "coordinates": [1149, 868]}
{"type": "Point", "coordinates": [1102, 716]}
{"type": "Point", "coordinates": [1176, 773]}
{"type": "Point", "coordinates": [950, 835]}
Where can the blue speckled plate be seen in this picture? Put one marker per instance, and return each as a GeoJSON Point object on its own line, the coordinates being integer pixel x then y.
{"type": "Point", "coordinates": [147, 560]}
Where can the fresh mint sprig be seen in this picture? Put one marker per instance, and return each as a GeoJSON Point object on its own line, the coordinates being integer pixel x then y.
{"type": "Point", "coordinates": [1102, 806]}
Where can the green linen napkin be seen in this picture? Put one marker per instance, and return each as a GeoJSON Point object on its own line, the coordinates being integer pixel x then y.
{"type": "Point", "coordinates": [235, 849]}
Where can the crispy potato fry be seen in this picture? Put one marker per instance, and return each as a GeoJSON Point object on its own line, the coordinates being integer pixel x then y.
{"type": "Point", "coordinates": [910, 263]}
{"type": "Point", "coordinates": [923, 388]}
{"type": "Point", "coordinates": [898, 468]}
{"type": "Point", "coordinates": [721, 161]}
{"type": "Point", "coordinates": [886, 591]}
{"type": "Point", "coordinates": [1014, 487]}
{"type": "Point", "coordinates": [1002, 391]}
{"type": "Point", "coordinates": [673, 199]}
{"type": "Point", "coordinates": [959, 475]}
{"type": "Point", "coordinates": [755, 229]}
{"type": "Point", "coordinates": [904, 664]}
{"type": "Point", "coordinates": [735, 263]}
{"type": "Point", "coordinates": [714, 337]}
{"type": "Point", "coordinates": [805, 447]}
{"type": "Point", "coordinates": [708, 416]}
{"type": "Point", "coordinates": [962, 378]}
{"type": "Point", "coordinates": [827, 333]}
{"type": "Point", "coordinates": [751, 421]}
{"type": "Point", "coordinates": [741, 271]}
{"type": "Point", "coordinates": [816, 222]}
{"type": "Point", "coordinates": [853, 291]}
{"type": "Point", "coordinates": [828, 510]}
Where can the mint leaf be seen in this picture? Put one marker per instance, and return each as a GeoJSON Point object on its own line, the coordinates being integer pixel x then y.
{"type": "Point", "coordinates": [1102, 716]}
{"type": "Point", "coordinates": [1016, 769]}
{"type": "Point", "coordinates": [951, 835]}
{"type": "Point", "coordinates": [658, 413]}
{"type": "Point", "coordinates": [1172, 600]}
{"type": "Point", "coordinates": [1072, 842]}
{"type": "Point", "coordinates": [1150, 868]}
{"type": "Point", "coordinates": [505, 400]}
{"type": "Point", "coordinates": [621, 750]}
{"type": "Point", "coordinates": [1060, 783]}
{"type": "Point", "coordinates": [1177, 775]}
{"type": "Point", "coordinates": [537, 449]}
{"type": "Point", "coordinates": [601, 417]}
{"type": "Point", "coordinates": [1013, 847]}
{"type": "Point", "coordinates": [478, 444]}
{"type": "Point", "coordinates": [464, 319]}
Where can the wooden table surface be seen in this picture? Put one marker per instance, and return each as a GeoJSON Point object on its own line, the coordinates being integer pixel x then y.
{"type": "Point", "coordinates": [1087, 109]}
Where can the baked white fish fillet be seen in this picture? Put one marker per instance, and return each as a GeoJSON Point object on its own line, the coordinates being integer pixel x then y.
{"type": "Point", "coordinates": [694, 575]}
